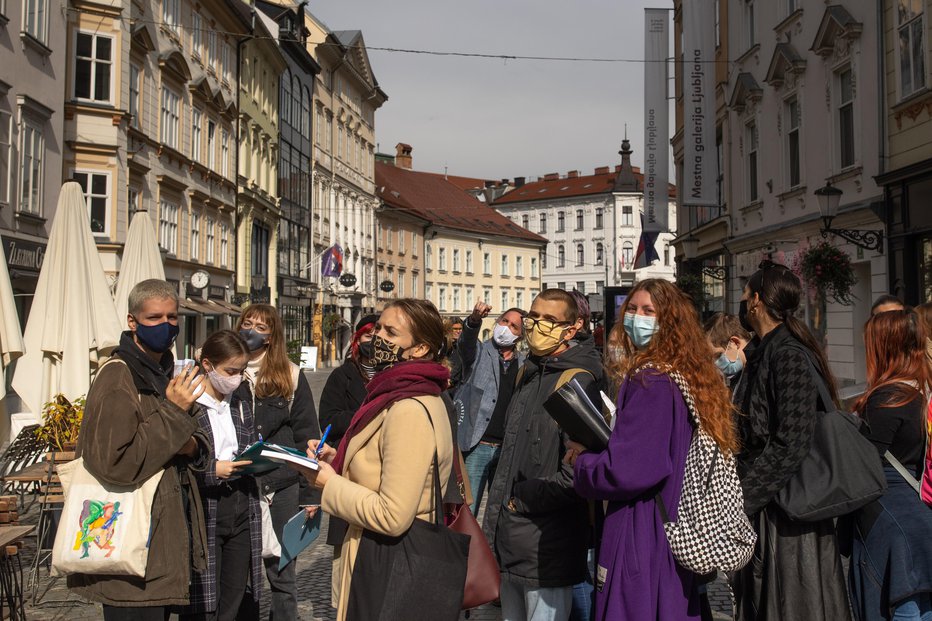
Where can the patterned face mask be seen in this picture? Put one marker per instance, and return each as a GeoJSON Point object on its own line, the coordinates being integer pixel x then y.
{"type": "Point", "coordinates": [385, 354]}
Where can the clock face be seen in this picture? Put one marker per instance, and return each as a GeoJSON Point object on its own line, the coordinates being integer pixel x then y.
{"type": "Point", "coordinates": [200, 279]}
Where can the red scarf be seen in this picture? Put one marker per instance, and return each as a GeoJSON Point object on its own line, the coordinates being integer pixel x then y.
{"type": "Point", "coordinates": [412, 378]}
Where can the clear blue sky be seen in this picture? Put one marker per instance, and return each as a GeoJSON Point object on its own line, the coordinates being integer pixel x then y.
{"type": "Point", "coordinates": [493, 118]}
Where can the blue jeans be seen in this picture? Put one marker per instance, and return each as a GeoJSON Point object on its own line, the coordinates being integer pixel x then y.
{"type": "Point", "coordinates": [523, 603]}
{"type": "Point", "coordinates": [584, 595]}
{"type": "Point", "coordinates": [916, 608]}
{"type": "Point", "coordinates": [480, 468]}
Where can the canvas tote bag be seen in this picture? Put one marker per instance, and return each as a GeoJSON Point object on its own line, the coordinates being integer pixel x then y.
{"type": "Point", "coordinates": [104, 529]}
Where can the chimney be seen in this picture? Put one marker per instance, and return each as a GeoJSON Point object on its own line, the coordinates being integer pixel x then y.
{"type": "Point", "coordinates": [490, 184]}
{"type": "Point", "coordinates": [572, 174]}
{"type": "Point", "coordinates": [403, 155]}
{"type": "Point", "coordinates": [519, 181]}
{"type": "Point", "coordinates": [601, 170]}
{"type": "Point", "coordinates": [551, 176]}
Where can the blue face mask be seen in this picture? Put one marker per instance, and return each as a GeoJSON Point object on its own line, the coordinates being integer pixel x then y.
{"type": "Point", "coordinates": [640, 328]}
{"type": "Point", "coordinates": [159, 338]}
{"type": "Point", "coordinates": [728, 367]}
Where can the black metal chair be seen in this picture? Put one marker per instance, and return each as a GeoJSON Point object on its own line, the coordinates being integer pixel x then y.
{"type": "Point", "coordinates": [25, 450]}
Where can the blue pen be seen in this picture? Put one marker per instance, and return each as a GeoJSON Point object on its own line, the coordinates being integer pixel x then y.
{"type": "Point", "coordinates": [323, 438]}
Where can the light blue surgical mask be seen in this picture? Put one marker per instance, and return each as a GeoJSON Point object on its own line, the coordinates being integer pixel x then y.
{"type": "Point", "coordinates": [640, 328]}
{"type": "Point", "coordinates": [729, 368]}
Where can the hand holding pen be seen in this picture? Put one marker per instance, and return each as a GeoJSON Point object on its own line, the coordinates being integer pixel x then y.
{"type": "Point", "coordinates": [319, 450]}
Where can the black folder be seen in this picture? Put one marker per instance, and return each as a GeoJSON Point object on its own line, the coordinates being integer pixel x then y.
{"type": "Point", "coordinates": [578, 416]}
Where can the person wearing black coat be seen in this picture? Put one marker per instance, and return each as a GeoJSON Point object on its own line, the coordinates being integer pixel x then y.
{"type": "Point", "coordinates": [345, 389]}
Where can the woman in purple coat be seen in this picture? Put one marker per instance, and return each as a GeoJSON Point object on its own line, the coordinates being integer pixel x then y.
{"type": "Point", "coordinates": [637, 578]}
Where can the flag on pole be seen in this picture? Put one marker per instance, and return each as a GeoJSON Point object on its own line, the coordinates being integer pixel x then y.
{"type": "Point", "coordinates": [646, 253]}
{"type": "Point", "coordinates": [331, 264]}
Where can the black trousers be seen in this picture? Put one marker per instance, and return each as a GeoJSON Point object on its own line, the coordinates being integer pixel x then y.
{"type": "Point", "coordinates": [139, 613]}
{"type": "Point", "coordinates": [284, 604]}
{"type": "Point", "coordinates": [233, 549]}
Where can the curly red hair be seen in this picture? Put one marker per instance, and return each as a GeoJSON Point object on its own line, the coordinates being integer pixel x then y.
{"type": "Point", "coordinates": [681, 344]}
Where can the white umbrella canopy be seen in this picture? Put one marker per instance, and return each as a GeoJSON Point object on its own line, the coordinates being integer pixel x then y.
{"type": "Point", "coordinates": [73, 324]}
{"type": "Point", "coordinates": [141, 261]}
{"type": "Point", "coordinates": [11, 339]}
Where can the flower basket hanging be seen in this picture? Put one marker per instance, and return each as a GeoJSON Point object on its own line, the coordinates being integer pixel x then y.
{"type": "Point", "coordinates": [828, 270]}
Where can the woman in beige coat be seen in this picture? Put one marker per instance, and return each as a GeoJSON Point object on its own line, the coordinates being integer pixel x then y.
{"type": "Point", "coordinates": [381, 477]}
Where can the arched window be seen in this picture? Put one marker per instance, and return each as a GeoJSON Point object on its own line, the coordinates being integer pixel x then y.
{"type": "Point", "coordinates": [599, 254]}
{"type": "Point", "coordinates": [627, 255]}
{"type": "Point", "coordinates": [580, 254]}
{"type": "Point", "coordinates": [285, 112]}
{"type": "Point", "coordinates": [296, 93]}
{"type": "Point", "coordinates": [561, 256]}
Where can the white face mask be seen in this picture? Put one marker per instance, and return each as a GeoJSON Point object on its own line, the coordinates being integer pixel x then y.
{"type": "Point", "coordinates": [224, 384]}
{"type": "Point", "coordinates": [503, 336]}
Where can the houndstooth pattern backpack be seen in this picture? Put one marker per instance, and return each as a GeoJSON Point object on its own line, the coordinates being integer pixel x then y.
{"type": "Point", "coordinates": [711, 532]}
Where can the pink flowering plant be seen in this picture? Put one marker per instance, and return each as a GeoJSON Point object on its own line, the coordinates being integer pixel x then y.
{"type": "Point", "coordinates": [828, 270]}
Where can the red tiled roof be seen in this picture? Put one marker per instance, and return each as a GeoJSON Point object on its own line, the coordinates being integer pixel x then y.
{"type": "Point", "coordinates": [463, 183]}
{"type": "Point", "coordinates": [434, 198]}
{"type": "Point", "coordinates": [564, 187]}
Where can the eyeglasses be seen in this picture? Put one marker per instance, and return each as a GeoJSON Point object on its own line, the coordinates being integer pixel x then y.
{"type": "Point", "coordinates": [544, 326]}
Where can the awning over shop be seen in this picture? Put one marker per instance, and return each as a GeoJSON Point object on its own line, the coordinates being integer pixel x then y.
{"type": "Point", "coordinates": [198, 307]}
{"type": "Point", "coordinates": [226, 308]}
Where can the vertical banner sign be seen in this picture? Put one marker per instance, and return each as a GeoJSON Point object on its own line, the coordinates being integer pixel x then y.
{"type": "Point", "coordinates": [656, 120]}
{"type": "Point", "coordinates": [700, 162]}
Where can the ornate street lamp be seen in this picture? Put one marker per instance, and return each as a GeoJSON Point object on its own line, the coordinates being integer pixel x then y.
{"type": "Point", "coordinates": [829, 197]}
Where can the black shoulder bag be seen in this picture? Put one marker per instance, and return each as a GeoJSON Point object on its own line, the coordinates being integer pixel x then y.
{"type": "Point", "coordinates": [419, 576]}
{"type": "Point", "coordinates": [842, 471]}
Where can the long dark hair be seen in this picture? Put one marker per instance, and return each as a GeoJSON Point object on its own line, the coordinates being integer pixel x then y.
{"type": "Point", "coordinates": [780, 292]}
{"type": "Point", "coordinates": [896, 357]}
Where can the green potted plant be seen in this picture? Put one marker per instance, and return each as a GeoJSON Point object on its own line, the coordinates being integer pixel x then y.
{"type": "Point", "coordinates": [828, 270]}
{"type": "Point", "coordinates": [61, 422]}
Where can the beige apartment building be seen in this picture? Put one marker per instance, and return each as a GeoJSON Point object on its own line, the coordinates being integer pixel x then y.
{"type": "Point", "coordinates": [345, 99]}
{"type": "Point", "coordinates": [471, 252]}
{"type": "Point", "coordinates": [150, 126]}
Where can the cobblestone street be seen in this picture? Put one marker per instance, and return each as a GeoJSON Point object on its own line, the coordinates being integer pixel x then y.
{"type": "Point", "coordinates": [56, 603]}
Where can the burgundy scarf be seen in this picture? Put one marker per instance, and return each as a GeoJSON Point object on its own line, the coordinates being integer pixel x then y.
{"type": "Point", "coordinates": [412, 378]}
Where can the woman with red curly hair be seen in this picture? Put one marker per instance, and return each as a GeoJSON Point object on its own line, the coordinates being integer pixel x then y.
{"type": "Point", "coordinates": [637, 577]}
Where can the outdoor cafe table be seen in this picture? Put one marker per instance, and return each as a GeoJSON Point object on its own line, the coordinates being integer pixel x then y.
{"type": "Point", "coordinates": [11, 571]}
{"type": "Point", "coordinates": [37, 473]}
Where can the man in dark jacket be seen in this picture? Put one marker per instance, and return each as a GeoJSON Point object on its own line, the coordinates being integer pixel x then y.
{"type": "Point", "coordinates": [490, 369]}
{"type": "Point", "coordinates": [539, 526]}
{"type": "Point", "coordinates": [137, 422]}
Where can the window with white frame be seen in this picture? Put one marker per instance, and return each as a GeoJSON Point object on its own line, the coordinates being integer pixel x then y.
{"type": "Point", "coordinates": [211, 145]}
{"type": "Point", "coordinates": [197, 40]}
{"type": "Point", "coordinates": [441, 299]}
{"type": "Point", "coordinates": [519, 266]}
{"type": "Point", "coordinates": [428, 256]}
{"type": "Point", "coordinates": [846, 153]}
{"type": "Point", "coordinates": [750, 137]}
{"type": "Point", "coordinates": [561, 256]}
{"type": "Point", "coordinates": [36, 19]}
{"type": "Point", "coordinates": [195, 235]}
{"type": "Point", "coordinates": [542, 228]}
{"type": "Point", "coordinates": [627, 255]}
{"type": "Point", "coordinates": [224, 244]}
{"type": "Point", "coordinates": [579, 219]}
{"type": "Point", "coordinates": [6, 154]}
{"type": "Point", "coordinates": [225, 152]}
{"type": "Point", "coordinates": [32, 150]}
{"type": "Point", "coordinates": [533, 267]}
{"type": "Point", "coordinates": [225, 62]}
{"type": "Point", "coordinates": [96, 189]}
{"type": "Point", "coordinates": [598, 217]}
{"type": "Point", "coordinates": [581, 286]}
{"type": "Point", "coordinates": [401, 244]}
{"type": "Point", "coordinates": [135, 93]}
{"type": "Point", "coordinates": [580, 255]}
{"type": "Point", "coordinates": [519, 299]}
{"type": "Point", "coordinates": [504, 271]}
{"type": "Point", "coordinates": [543, 261]}
{"type": "Point", "coordinates": [561, 221]}
{"type": "Point", "coordinates": [133, 199]}
{"type": "Point", "coordinates": [750, 33]}
{"type": "Point", "coordinates": [171, 15]}
{"type": "Point", "coordinates": [792, 142]}
{"type": "Point", "coordinates": [487, 295]}
{"type": "Point", "coordinates": [526, 220]}
{"type": "Point", "coordinates": [599, 254]}
{"type": "Point", "coordinates": [168, 226]}
{"type": "Point", "coordinates": [320, 125]}
{"type": "Point", "coordinates": [442, 257]}
{"type": "Point", "coordinates": [456, 259]}
{"type": "Point", "coordinates": [911, 46]}
{"type": "Point", "coordinates": [469, 261]}
{"type": "Point", "coordinates": [93, 65]}
{"type": "Point", "coordinates": [414, 283]}
{"type": "Point", "coordinates": [428, 291]}
{"type": "Point", "coordinates": [627, 215]}
{"type": "Point", "coordinates": [196, 136]}
{"type": "Point", "coordinates": [456, 299]}
{"type": "Point", "coordinates": [505, 299]}
{"type": "Point", "coordinates": [212, 56]}
{"type": "Point", "coordinates": [487, 263]}
{"type": "Point", "coordinates": [210, 234]}
{"type": "Point", "coordinates": [171, 117]}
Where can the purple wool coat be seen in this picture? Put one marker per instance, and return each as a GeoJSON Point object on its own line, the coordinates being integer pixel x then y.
{"type": "Point", "coordinates": [646, 454]}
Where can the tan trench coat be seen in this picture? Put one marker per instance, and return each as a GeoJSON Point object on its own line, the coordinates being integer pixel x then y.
{"type": "Point", "coordinates": [387, 480]}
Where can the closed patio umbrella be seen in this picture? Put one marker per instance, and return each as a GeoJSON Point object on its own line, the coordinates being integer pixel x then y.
{"type": "Point", "coordinates": [141, 261]}
{"type": "Point", "coordinates": [11, 338]}
{"type": "Point", "coordinates": [73, 324]}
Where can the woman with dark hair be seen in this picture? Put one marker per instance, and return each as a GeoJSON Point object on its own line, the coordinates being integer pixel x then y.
{"type": "Point", "coordinates": [381, 478]}
{"type": "Point", "coordinates": [796, 571]}
{"type": "Point", "coordinates": [891, 560]}
{"type": "Point", "coordinates": [345, 389]}
{"type": "Point", "coordinates": [283, 407]}
{"type": "Point", "coordinates": [231, 499]}
{"type": "Point", "coordinates": [638, 578]}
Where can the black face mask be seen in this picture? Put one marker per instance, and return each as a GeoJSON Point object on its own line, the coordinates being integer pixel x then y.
{"type": "Point", "coordinates": [743, 316]}
{"type": "Point", "coordinates": [254, 340]}
{"type": "Point", "coordinates": [366, 350]}
{"type": "Point", "coordinates": [384, 354]}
